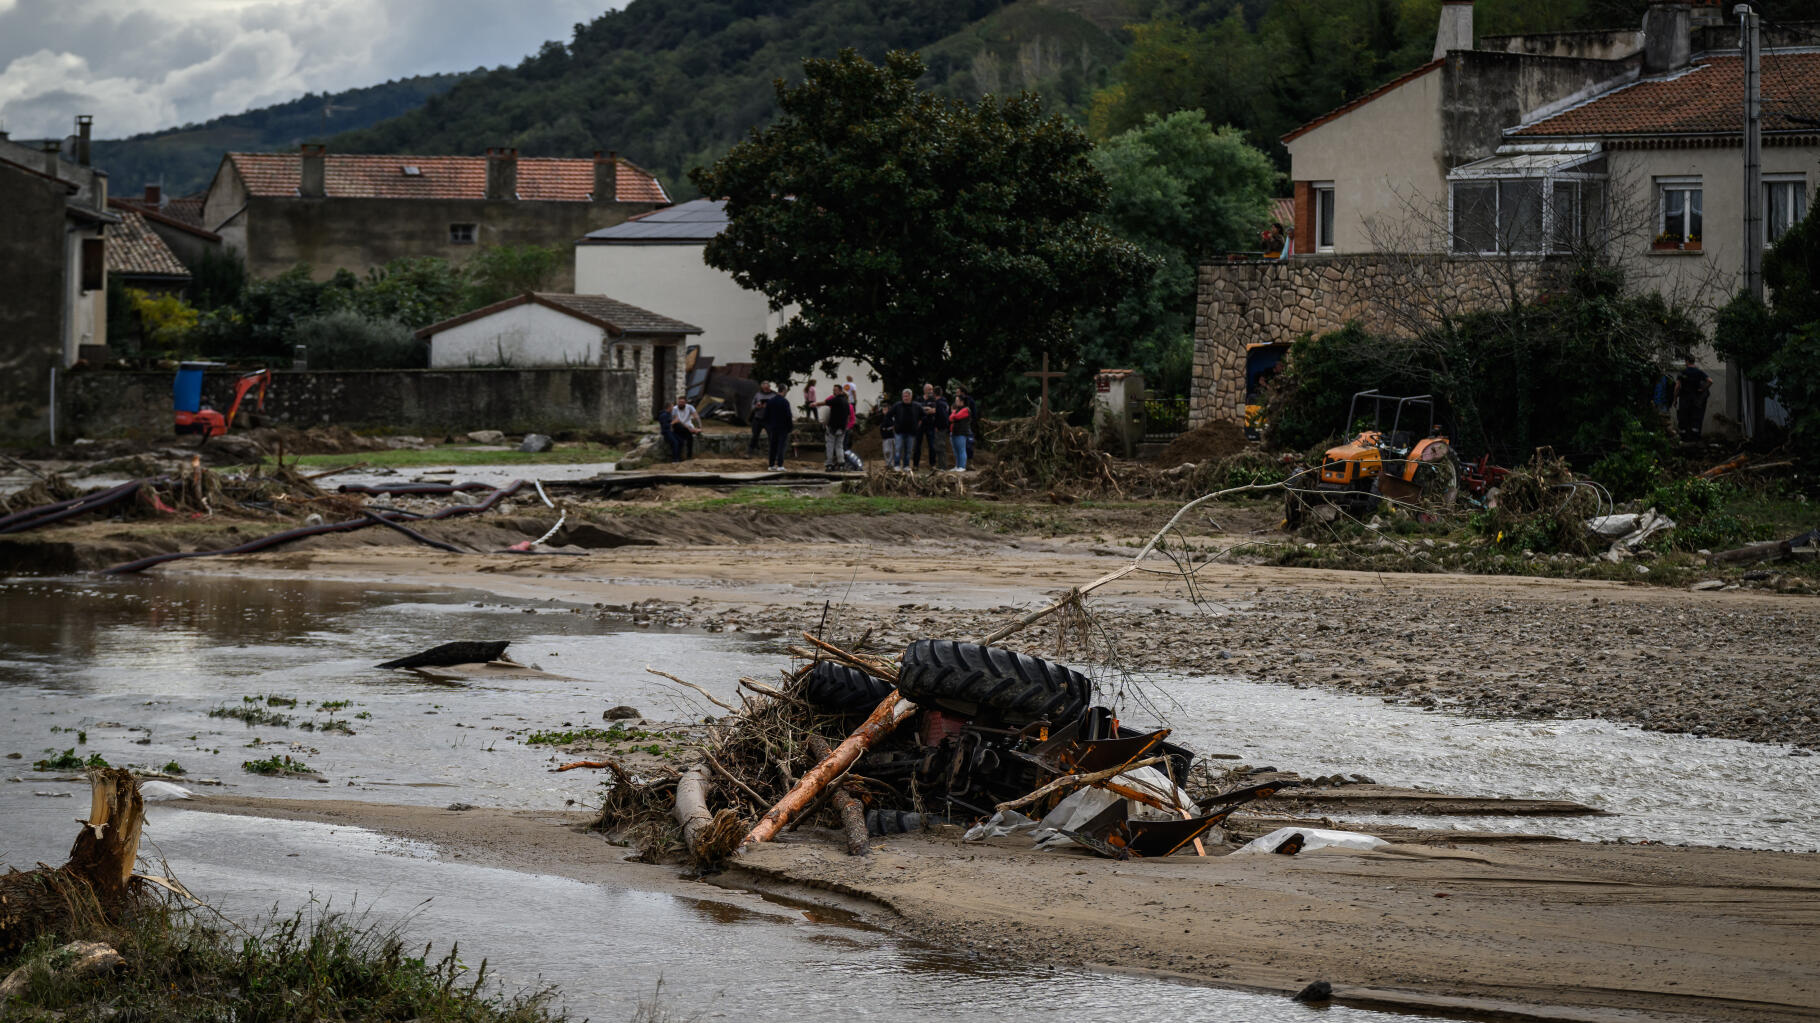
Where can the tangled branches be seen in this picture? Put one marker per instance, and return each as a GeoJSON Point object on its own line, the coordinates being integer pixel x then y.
{"type": "Point", "coordinates": [1042, 452]}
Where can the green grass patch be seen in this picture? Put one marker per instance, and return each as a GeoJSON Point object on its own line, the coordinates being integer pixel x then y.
{"type": "Point", "coordinates": [189, 966]}
{"type": "Point", "coordinates": [331, 725]}
{"type": "Point", "coordinates": [618, 733]}
{"type": "Point", "coordinates": [173, 768]}
{"type": "Point", "coordinates": [454, 454]}
{"type": "Point", "coordinates": [276, 765]}
{"type": "Point", "coordinates": [69, 761]}
{"type": "Point", "coordinates": [252, 716]}
{"type": "Point", "coordinates": [271, 700]}
{"type": "Point", "coordinates": [334, 705]}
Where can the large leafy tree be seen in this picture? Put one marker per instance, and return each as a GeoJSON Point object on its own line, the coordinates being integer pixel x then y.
{"type": "Point", "coordinates": [1179, 190]}
{"type": "Point", "coordinates": [924, 236]}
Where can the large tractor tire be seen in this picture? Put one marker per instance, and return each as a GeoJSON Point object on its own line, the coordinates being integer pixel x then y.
{"type": "Point", "coordinates": [975, 679]}
{"type": "Point", "coordinates": [838, 689]}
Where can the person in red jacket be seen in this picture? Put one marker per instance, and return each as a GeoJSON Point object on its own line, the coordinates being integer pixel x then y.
{"type": "Point", "coordinates": [960, 428]}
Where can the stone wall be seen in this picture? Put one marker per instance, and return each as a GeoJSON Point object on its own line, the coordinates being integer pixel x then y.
{"type": "Point", "coordinates": [430, 403]}
{"type": "Point", "coordinates": [1244, 303]}
{"type": "Point", "coordinates": [32, 315]}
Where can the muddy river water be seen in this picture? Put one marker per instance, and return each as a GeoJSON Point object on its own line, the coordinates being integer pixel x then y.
{"type": "Point", "coordinates": [129, 669]}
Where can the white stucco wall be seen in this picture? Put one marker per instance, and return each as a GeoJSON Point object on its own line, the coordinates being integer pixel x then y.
{"type": "Point", "coordinates": [673, 280]}
{"type": "Point", "coordinates": [1384, 160]}
{"type": "Point", "coordinates": [523, 336]}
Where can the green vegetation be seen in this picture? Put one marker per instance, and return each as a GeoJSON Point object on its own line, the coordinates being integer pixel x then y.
{"type": "Point", "coordinates": [271, 700]}
{"type": "Point", "coordinates": [185, 158]}
{"type": "Point", "coordinates": [1779, 344]}
{"type": "Point", "coordinates": [334, 705]}
{"type": "Point", "coordinates": [172, 767]}
{"type": "Point", "coordinates": [617, 733]}
{"type": "Point", "coordinates": [331, 725]}
{"type": "Point", "coordinates": [1499, 376]}
{"type": "Point", "coordinates": [917, 234]}
{"type": "Point", "coordinates": [252, 716]}
{"type": "Point", "coordinates": [188, 966]}
{"type": "Point", "coordinates": [277, 765]}
{"type": "Point", "coordinates": [69, 761]}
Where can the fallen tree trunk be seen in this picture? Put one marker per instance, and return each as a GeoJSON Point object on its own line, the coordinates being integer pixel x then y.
{"type": "Point", "coordinates": [96, 882]}
{"type": "Point", "coordinates": [691, 810]}
{"type": "Point", "coordinates": [852, 812]}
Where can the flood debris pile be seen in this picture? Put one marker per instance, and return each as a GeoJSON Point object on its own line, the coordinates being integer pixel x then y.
{"type": "Point", "coordinates": [948, 732]}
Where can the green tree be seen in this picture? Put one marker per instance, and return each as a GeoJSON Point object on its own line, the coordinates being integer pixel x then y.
{"type": "Point", "coordinates": [498, 272]}
{"type": "Point", "coordinates": [920, 235]}
{"type": "Point", "coordinates": [413, 291]}
{"type": "Point", "coordinates": [1779, 343]}
{"type": "Point", "coordinates": [1178, 190]}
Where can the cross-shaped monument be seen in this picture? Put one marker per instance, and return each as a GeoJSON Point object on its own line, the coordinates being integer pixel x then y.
{"type": "Point", "coordinates": [1045, 376]}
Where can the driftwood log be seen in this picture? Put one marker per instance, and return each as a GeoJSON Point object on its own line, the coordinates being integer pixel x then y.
{"type": "Point", "coordinates": [97, 882]}
{"type": "Point", "coordinates": [852, 811]}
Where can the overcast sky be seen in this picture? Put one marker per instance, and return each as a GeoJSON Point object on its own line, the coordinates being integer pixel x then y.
{"type": "Point", "coordinates": [141, 65]}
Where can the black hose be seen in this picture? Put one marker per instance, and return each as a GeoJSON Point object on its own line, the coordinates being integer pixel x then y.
{"type": "Point", "coordinates": [44, 515]}
{"type": "Point", "coordinates": [391, 489]}
{"type": "Point", "coordinates": [381, 520]}
{"type": "Point", "coordinates": [302, 532]}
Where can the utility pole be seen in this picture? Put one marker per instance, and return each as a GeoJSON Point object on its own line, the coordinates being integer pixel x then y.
{"type": "Point", "coordinates": [1750, 48]}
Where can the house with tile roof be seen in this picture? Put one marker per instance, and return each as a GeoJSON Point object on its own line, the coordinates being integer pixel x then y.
{"type": "Point", "coordinates": [139, 257]}
{"type": "Point", "coordinates": [54, 234]}
{"type": "Point", "coordinates": [1506, 153]}
{"type": "Point", "coordinates": [550, 330]}
{"type": "Point", "coordinates": [176, 222]}
{"type": "Point", "coordinates": [357, 211]}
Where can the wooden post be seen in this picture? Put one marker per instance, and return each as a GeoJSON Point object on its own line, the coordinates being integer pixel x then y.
{"type": "Point", "coordinates": [1045, 376]}
{"type": "Point", "coordinates": [852, 813]}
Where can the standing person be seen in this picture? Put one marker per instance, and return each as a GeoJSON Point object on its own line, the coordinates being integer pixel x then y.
{"type": "Point", "coordinates": [685, 423]}
{"type": "Point", "coordinates": [834, 437]}
{"type": "Point", "coordinates": [960, 428]}
{"type": "Point", "coordinates": [887, 431]}
{"type": "Point", "coordinates": [1690, 396]}
{"type": "Point", "coordinates": [809, 402]}
{"type": "Point", "coordinates": [852, 392]}
{"type": "Point", "coordinates": [757, 416]}
{"type": "Point", "coordinates": [779, 422]}
{"type": "Point", "coordinates": [906, 416]}
{"type": "Point", "coordinates": [934, 423]}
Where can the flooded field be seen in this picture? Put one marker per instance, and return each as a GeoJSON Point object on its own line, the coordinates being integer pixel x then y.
{"type": "Point", "coordinates": [129, 670]}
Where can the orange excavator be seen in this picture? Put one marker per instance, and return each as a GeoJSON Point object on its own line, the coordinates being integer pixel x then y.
{"type": "Point", "coordinates": [1409, 464]}
{"type": "Point", "coordinates": [192, 416]}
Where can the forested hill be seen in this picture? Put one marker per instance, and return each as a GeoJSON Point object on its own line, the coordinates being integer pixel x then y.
{"type": "Point", "coordinates": [184, 159]}
{"type": "Point", "coordinates": [671, 84]}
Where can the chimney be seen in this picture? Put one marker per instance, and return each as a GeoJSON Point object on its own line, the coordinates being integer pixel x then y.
{"type": "Point", "coordinates": [1455, 30]}
{"type": "Point", "coordinates": [1667, 41]}
{"type": "Point", "coordinates": [154, 196]}
{"type": "Point", "coordinates": [606, 177]}
{"type": "Point", "coordinates": [312, 179]}
{"type": "Point", "coordinates": [85, 123]}
{"type": "Point", "coordinates": [502, 173]}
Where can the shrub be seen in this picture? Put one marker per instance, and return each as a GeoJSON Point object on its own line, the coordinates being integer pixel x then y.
{"type": "Point", "coordinates": [345, 339]}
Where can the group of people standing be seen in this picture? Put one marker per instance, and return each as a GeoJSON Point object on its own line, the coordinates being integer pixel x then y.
{"type": "Point", "coordinates": [913, 427]}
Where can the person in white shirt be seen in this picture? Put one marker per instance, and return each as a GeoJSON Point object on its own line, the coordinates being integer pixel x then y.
{"type": "Point", "coordinates": [685, 423]}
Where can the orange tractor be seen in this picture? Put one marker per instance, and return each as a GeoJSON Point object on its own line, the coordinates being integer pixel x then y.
{"type": "Point", "coordinates": [192, 416]}
{"type": "Point", "coordinates": [1402, 465]}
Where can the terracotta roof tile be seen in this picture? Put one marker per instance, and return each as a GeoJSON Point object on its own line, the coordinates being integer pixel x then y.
{"type": "Point", "coordinates": [616, 317]}
{"type": "Point", "coordinates": [185, 217]}
{"type": "Point", "coordinates": [134, 248]}
{"type": "Point", "coordinates": [364, 176]}
{"type": "Point", "coordinates": [1704, 100]}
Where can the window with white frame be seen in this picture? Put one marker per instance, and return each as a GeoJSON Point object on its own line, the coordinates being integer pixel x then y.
{"type": "Point", "coordinates": [1679, 211]}
{"type": "Point", "coordinates": [1323, 217]}
{"type": "Point", "coordinates": [1784, 205]}
{"type": "Point", "coordinates": [461, 234]}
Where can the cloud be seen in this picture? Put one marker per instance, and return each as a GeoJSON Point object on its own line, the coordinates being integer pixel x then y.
{"type": "Point", "coordinates": [142, 65]}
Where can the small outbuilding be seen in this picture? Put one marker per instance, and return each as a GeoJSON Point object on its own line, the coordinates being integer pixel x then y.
{"type": "Point", "coordinates": [547, 330]}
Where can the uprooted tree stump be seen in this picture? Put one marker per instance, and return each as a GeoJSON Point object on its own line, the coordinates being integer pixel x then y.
{"type": "Point", "coordinates": [96, 883]}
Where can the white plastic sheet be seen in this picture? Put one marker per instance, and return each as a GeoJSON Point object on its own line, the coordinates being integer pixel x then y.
{"type": "Point", "coordinates": [1312, 839]}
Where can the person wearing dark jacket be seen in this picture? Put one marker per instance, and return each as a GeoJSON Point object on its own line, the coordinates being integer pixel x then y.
{"type": "Point", "coordinates": [757, 417]}
{"type": "Point", "coordinates": [778, 423]}
{"type": "Point", "coordinates": [905, 417]}
{"type": "Point", "coordinates": [834, 431]}
{"type": "Point", "coordinates": [933, 424]}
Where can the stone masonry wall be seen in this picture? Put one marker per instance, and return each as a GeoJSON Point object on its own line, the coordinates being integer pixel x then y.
{"type": "Point", "coordinates": [1237, 304]}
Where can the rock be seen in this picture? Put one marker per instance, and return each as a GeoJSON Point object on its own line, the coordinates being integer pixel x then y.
{"type": "Point", "coordinates": [621, 713]}
{"type": "Point", "coordinates": [1708, 584]}
{"type": "Point", "coordinates": [535, 443]}
{"type": "Point", "coordinates": [458, 807]}
{"type": "Point", "coordinates": [1319, 991]}
{"type": "Point", "coordinates": [487, 437]}
{"type": "Point", "coordinates": [75, 960]}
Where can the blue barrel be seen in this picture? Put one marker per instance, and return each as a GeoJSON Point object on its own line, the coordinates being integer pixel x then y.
{"type": "Point", "coordinates": [186, 393]}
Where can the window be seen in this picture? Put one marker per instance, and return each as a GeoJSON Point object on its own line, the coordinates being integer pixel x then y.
{"type": "Point", "coordinates": [461, 234]}
{"type": "Point", "coordinates": [94, 264]}
{"type": "Point", "coordinates": [1509, 215]}
{"type": "Point", "coordinates": [1784, 206]}
{"type": "Point", "coordinates": [1681, 215]}
{"type": "Point", "coordinates": [1323, 218]}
